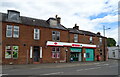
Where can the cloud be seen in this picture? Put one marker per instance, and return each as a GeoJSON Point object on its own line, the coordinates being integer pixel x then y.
{"type": "Point", "coordinates": [70, 11]}
{"type": "Point", "coordinates": [106, 19]}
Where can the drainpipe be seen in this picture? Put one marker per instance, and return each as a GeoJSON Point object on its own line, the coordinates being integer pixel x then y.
{"type": "Point", "coordinates": [27, 57]}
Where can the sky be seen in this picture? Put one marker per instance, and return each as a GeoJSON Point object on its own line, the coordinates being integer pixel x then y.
{"type": "Point", "coordinates": [89, 15]}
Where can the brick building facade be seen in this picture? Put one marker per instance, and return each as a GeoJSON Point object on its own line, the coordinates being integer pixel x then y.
{"type": "Point", "coordinates": [28, 40]}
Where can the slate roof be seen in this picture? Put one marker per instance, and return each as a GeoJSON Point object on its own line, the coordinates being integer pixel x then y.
{"type": "Point", "coordinates": [32, 22]}
{"type": "Point", "coordinates": [83, 32]}
{"type": "Point", "coordinates": [44, 23]}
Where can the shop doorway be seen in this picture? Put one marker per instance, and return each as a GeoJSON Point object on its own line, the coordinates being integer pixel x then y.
{"type": "Point", "coordinates": [36, 53]}
{"type": "Point", "coordinates": [89, 54]}
{"type": "Point", "coordinates": [76, 54]}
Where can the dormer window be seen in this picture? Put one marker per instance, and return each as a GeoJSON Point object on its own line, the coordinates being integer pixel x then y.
{"type": "Point", "coordinates": [13, 16]}
{"type": "Point", "coordinates": [53, 23]}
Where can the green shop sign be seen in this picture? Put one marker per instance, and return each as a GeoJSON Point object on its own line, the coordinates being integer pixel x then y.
{"type": "Point", "coordinates": [75, 49]}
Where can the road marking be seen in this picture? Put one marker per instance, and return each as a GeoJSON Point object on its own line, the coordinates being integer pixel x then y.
{"type": "Point", "coordinates": [79, 70]}
{"type": "Point", "coordinates": [3, 74]}
{"type": "Point", "coordinates": [53, 73]}
{"type": "Point", "coordinates": [92, 68]}
{"type": "Point", "coordinates": [88, 69]}
{"type": "Point", "coordinates": [34, 68]}
{"type": "Point", "coordinates": [106, 64]}
{"type": "Point", "coordinates": [112, 66]}
{"type": "Point", "coordinates": [98, 65]}
{"type": "Point", "coordinates": [14, 70]}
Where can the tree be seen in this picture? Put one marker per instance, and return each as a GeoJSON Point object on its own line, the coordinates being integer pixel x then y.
{"type": "Point", "coordinates": [111, 42]}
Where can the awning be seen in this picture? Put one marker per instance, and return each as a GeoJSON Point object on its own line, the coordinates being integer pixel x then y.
{"type": "Point", "coordinates": [65, 44]}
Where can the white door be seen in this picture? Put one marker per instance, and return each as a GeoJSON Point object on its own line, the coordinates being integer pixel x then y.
{"type": "Point", "coordinates": [80, 58]}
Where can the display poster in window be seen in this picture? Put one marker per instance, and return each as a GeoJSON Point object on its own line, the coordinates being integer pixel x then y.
{"type": "Point", "coordinates": [84, 55]}
{"type": "Point", "coordinates": [8, 52]}
{"type": "Point", "coordinates": [58, 55]}
{"type": "Point", "coordinates": [15, 51]}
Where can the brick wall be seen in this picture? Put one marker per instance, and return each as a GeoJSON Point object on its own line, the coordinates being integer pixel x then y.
{"type": "Point", "coordinates": [26, 37]}
{"type": "Point", "coordinates": [85, 40]}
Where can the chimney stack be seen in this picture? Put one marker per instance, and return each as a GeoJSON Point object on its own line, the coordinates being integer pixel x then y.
{"type": "Point", "coordinates": [98, 33]}
{"type": "Point", "coordinates": [58, 19]}
{"type": "Point", "coordinates": [76, 27]}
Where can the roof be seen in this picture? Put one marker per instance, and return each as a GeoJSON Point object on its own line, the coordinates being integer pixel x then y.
{"type": "Point", "coordinates": [83, 32]}
{"type": "Point", "coordinates": [44, 23]}
{"type": "Point", "coordinates": [31, 21]}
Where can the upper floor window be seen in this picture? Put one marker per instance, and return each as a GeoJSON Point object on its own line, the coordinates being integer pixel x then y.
{"type": "Point", "coordinates": [91, 39]}
{"type": "Point", "coordinates": [9, 31]}
{"type": "Point", "coordinates": [100, 39]}
{"type": "Point", "coordinates": [55, 36]}
{"type": "Point", "coordinates": [12, 31]}
{"type": "Point", "coordinates": [16, 31]}
{"type": "Point", "coordinates": [36, 34]}
{"type": "Point", "coordinates": [75, 37]}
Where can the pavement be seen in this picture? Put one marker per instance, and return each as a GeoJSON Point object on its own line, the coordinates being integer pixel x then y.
{"type": "Point", "coordinates": [109, 67]}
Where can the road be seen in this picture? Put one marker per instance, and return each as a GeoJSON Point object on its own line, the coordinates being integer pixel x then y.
{"type": "Point", "coordinates": [79, 68]}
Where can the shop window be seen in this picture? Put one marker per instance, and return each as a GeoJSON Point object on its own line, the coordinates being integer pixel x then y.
{"type": "Point", "coordinates": [11, 52]}
{"type": "Point", "coordinates": [9, 31]}
{"type": "Point", "coordinates": [57, 55]}
{"type": "Point", "coordinates": [15, 52]}
{"type": "Point", "coordinates": [55, 36]}
{"type": "Point", "coordinates": [16, 32]}
{"type": "Point", "coordinates": [55, 52]}
{"type": "Point", "coordinates": [53, 49]}
{"type": "Point", "coordinates": [75, 37]}
{"type": "Point", "coordinates": [87, 55]}
{"type": "Point", "coordinates": [36, 34]}
{"type": "Point", "coordinates": [8, 52]}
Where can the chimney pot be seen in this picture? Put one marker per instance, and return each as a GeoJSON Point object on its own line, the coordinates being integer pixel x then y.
{"type": "Point", "coordinates": [56, 16]}
{"type": "Point", "coordinates": [76, 27]}
{"type": "Point", "coordinates": [98, 33]}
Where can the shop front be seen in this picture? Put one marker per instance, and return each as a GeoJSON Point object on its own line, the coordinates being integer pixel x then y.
{"type": "Point", "coordinates": [78, 51]}
{"type": "Point", "coordinates": [89, 54]}
{"type": "Point", "coordinates": [75, 54]}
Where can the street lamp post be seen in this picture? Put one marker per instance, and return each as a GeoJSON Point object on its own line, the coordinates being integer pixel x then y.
{"type": "Point", "coordinates": [104, 41]}
{"type": "Point", "coordinates": [105, 29]}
